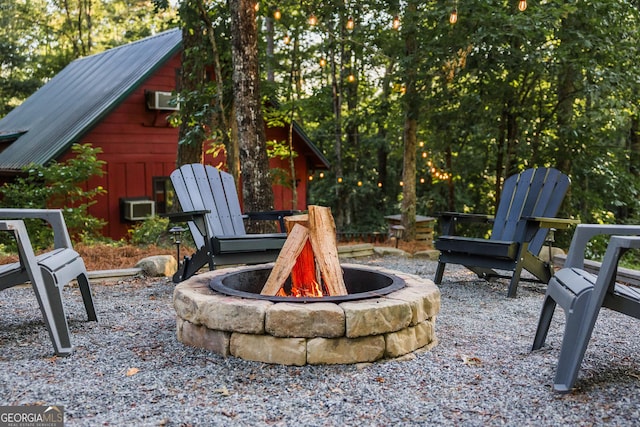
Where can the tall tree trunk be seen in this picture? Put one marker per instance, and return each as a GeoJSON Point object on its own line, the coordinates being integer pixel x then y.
{"type": "Point", "coordinates": [567, 77]}
{"type": "Point", "coordinates": [257, 192]}
{"type": "Point", "coordinates": [336, 76]}
{"type": "Point", "coordinates": [233, 162]}
{"type": "Point", "coordinates": [191, 80]}
{"type": "Point", "coordinates": [411, 108]}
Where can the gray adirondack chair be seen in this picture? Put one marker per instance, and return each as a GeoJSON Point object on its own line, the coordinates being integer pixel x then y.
{"type": "Point", "coordinates": [526, 211]}
{"type": "Point", "coordinates": [48, 272]}
{"type": "Point", "coordinates": [210, 206]}
{"type": "Point", "coordinates": [581, 295]}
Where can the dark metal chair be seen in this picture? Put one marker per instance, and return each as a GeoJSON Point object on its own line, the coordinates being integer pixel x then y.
{"type": "Point", "coordinates": [48, 272]}
{"type": "Point", "coordinates": [581, 295]}
{"type": "Point", "coordinates": [526, 212]}
{"type": "Point", "coordinates": [211, 207]}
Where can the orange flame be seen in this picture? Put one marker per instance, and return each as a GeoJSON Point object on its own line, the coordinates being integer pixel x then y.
{"type": "Point", "coordinates": [303, 276]}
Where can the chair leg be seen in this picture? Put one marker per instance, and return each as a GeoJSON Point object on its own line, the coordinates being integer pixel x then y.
{"type": "Point", "coordinates": [87, 296]}
{"type": "Point", "coordinates": [572, 290]}
{"type": "Point", "coordinates": [439, 272]}
{"type": "Point", "coordinates": [191, 265]}
{"type": "Point", "coordinates": [548, 308]}
{"type": "Point", "coordinates": [515, 279]}
{"type": "Point", "coordinates": [574, 345]}
{"type": "Point", "coordinates": [50, 302]}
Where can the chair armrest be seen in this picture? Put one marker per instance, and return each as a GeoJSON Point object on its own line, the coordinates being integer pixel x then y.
{"type": "Point", "coordinates": [197, 218]}
{"type": "Point", "coordinates": [548, 222]}
{"type": "Point", "coordinates": [185, 216]}
{"type": "Point", "coordinates": [585, 232]}
{"type": "Point", "coordinates": [466, 217]}
{"type": "Point", "coordinates": [271, 216]}
{"type": "Point", "coordinates": [54, 217]}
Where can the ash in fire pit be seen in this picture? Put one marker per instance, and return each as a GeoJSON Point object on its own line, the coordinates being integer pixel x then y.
{"type": "Point", "coordinates": [361, 283]}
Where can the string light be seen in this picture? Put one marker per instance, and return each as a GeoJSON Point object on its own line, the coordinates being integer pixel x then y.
{"type": "Point", "coordinates": [277, 15]}
{"type": "Point", "coordinates": [321, 175]}
{"type": "Point", "coordinates": [323, 62]}
{"type": "Point", "coordinates": [453, 18]}
{"type": "Point", "coordinates": [395, 24]}
{"type": "Point", "coordinates": [340, 180]}
{"type": "Point", "coordinates": [287, 39]}
{"type": "Point", "coordinates": [522, 5]}
{"type": "Point", "coordinates": [359, 183]}
{"type": "Point", "coordinates": [351, 78]}
{"type": "Point", "coordinates": [313, 20]}
{"type": "Point", "coordinates": [350, 23]}
{"type": "Point", "coordinates": [256, 7]}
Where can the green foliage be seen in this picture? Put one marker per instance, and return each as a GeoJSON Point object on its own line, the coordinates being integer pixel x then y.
{"type": "Point", "coordinates": [499, 91]}
{"type": "Point", "coordinates": [38, 38]}
{"type": "Point", "coordinates": [152, 231]}
{"type": "Point", "coordinates": [60, 186]}
{"type": "Point", "coordinates": [157, 231]}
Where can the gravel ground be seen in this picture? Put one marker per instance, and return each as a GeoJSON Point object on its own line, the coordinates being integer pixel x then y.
{"type": "Point", "coordinates": [129, 370]}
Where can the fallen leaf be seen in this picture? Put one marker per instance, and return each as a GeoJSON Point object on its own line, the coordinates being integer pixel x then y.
{"type": "Point", "coordinates": [471, 360]}
{"type": "Point", "coordinates": [222, 391]}
{"type": "Point", "coordinates": [132, 371]}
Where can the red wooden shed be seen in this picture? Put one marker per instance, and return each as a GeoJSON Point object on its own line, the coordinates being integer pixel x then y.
{"type": "Point", "coordinates": [118, 100]}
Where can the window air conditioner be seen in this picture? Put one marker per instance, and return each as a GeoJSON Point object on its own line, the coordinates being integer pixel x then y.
{"type": "Point", "coordinates": [138, 210]}
{"type": "Point", "coordinates": [157, 100]}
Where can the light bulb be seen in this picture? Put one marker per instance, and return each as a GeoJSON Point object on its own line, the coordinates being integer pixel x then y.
{"type": "Point", "coordinates": [359, 183]}
{"type": "Point", "coordinates": [522, 5]}
{"type": "Point", "coordinates": [323, 62]}
{"type": "Point", "coordinates": [313, 20]}
{"type": "Point", "coordinates": [454, 16]}
{"type": "Point", "coordinates": [277, 15]}
{"type": "Point", "coordinates": [351, 78]}
{"type": "Point", "coordinates": [350, 23]}
{"type": "Point", "coordinates": [396, 22]}
{"type": "Point", "coordinates": [256, 7]}
{"type": "Point", "coordinates": [287, 39]}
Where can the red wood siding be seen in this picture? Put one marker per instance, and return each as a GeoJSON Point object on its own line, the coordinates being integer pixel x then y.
{"type": "Point", "coordinates": [138, 145]}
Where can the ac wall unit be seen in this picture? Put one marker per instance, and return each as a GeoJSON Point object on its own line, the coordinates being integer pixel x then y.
{"type": "Point", "coordinates": [157, 100]}
{"type": "Point", "coordinates": [139, 210]}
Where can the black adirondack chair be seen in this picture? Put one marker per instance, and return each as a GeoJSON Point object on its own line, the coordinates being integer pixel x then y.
{"type": "Point", "coordinates": [211, 208]}
{"type": "Point", "coordinates": [529, 202]}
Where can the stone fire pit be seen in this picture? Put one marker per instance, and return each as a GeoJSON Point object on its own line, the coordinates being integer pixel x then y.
{"type": "Point", "coordinates": [299, 333]}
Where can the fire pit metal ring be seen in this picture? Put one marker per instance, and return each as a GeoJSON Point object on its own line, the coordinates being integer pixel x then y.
{"type": "Point", "coordinates": [362, 283]}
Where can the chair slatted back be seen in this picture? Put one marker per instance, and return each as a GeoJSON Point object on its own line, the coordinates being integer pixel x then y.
{"type": "Point", "coordinates": [200, 187]}
{"type": "Point", "coordinates": [533, 192]}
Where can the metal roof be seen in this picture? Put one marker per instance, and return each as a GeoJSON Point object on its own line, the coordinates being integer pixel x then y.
{"type": "Point", "coordinates": [75, 100]}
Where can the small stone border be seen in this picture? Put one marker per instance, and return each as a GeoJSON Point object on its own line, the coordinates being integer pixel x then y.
{"type": "Point", "coordinates": [287, 333]}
